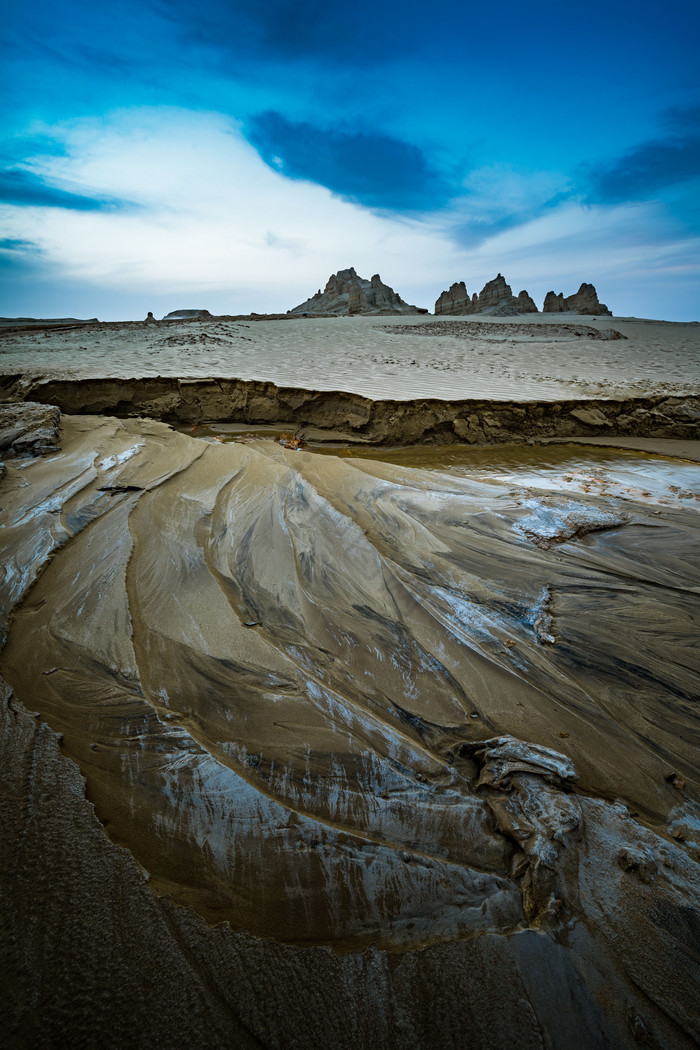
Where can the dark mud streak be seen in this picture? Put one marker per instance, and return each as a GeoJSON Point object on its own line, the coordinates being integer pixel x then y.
{"type": "Point", "coordinates": [351, 417]}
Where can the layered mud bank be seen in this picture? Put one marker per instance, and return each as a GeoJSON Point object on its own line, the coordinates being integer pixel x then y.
{"type": "Point", "coordinates": [348, 417]}
{"type": "Point", "coordinates": [425, 741]}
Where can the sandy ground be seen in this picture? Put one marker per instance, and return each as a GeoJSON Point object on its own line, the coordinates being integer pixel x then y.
{"type": "Point", "coordinates": [543, 357]}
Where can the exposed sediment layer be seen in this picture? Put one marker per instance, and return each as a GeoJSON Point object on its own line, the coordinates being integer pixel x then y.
{"type": "Point", "coordinates": [343, 416]}
{"type": "Point", "coordinates": [27, 428]}
{"type": "Point", "coordinates": [428, 744]}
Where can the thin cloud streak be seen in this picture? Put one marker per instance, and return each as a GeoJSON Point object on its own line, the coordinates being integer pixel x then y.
{"type": "Point", "coordinates": [26, 189]}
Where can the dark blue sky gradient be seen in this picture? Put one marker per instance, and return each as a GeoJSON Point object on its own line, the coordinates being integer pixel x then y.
{"type": "Point", "coordinates": [527, 83]}
{"type": "Point", "coordinates": [398, 108]}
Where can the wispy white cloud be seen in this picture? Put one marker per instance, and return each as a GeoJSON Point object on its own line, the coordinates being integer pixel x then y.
{"type": "Point", "coordinates": [208, 205]}
{"type": "Point", "coordinates": [217, 227]}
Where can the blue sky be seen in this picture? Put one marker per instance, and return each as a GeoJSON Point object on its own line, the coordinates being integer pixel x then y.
{"type": "Point", "coordinates": [231, 154]}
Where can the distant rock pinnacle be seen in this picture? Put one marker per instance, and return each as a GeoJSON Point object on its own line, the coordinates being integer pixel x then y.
{"type": "Point", "coordinates": [346, 293]}
{"type": "Point", "coordinates": [495, 298]}
{"type": "Point", "coordinates": [584, 301]}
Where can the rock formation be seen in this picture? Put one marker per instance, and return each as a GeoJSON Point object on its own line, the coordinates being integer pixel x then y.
{"type": "Point", "coordinates": [30, 429]}
{"type": "Point", "coordinates": [347, 293]}
{"type": "Point", "coordinates": [584, 301]}
{"type": "Point", "coordinates": [526, 304]}
{"type": "Point", "coordinates": [495, 298]}
{"type": "Point", "coordinates": [456, 300]}
{"type": "Point", "coordinates": [46, 322]}
{"type": "Point", "coordinates": [186, 315]}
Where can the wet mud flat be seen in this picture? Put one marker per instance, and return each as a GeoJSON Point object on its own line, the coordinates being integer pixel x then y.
{"type": "Point", "coordinates": [393, 748]}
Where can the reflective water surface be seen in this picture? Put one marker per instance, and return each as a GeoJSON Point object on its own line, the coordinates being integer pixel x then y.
{"type": "Point", "coordinates": [574, 467]}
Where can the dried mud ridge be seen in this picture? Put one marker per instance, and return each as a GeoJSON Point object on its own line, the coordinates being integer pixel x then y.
{"type": "Point", "coordinates": [507, 332]}
{"type": "Point", "coordinates": [423, 748]}
{"type": "Point", "coordinates": [339, 416]}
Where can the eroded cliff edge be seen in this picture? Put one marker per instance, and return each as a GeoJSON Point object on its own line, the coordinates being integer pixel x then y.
{"type": "Point", "coordinates": [343, 416]}
{"type": "Point", "coordinates": [341, 704]}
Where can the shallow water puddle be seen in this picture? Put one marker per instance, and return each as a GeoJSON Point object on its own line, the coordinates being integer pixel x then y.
{"type": "Point", "coordinates": [570, 468]}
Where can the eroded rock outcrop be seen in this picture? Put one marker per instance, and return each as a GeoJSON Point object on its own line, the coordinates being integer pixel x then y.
{"type": "Point", "coordinates": [526, 304]}
{"type": "Point", "coordinates": [495, 298]}
{"type": "Point", "coordinates": [28, 429]}
{"type": "Point", "coordinates": [186, 315]}
{"type": "Point", "coordinates": [348, 293]}
{"type": "Point", "coordinates": [584, 301]}
{"type": "Point", "coordinates": [456, 300]}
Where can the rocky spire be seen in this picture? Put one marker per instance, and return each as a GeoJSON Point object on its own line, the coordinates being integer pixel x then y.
{"type": "Point", "coordinates": [496, 298]}
{"type": "Point", "coordinates": [584, 301]}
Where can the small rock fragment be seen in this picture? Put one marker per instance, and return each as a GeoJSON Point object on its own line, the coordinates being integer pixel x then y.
{"type": "Point", "coordinates": [639, 863]}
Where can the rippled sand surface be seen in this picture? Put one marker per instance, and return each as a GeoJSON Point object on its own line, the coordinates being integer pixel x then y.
{"type": "Point", "coordinates": [539, 357]}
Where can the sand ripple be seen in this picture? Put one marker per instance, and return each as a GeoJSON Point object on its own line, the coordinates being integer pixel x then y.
{"type": "Point", "coordinates": [383, 358]}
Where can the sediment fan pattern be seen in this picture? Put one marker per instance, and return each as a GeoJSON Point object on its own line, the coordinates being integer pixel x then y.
{"type": "Point", "coordinates": [339, 704]}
